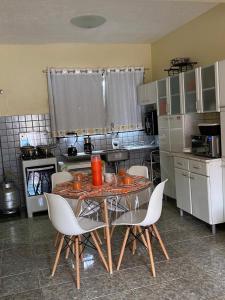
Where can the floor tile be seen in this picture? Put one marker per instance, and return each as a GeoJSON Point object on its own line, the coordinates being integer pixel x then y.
{"type": "Point", "coordinates": [104, 285]}
{"type": "Point", "coordinates": [195, 271]}
{"type": "Point", "coordinates": [65, 291]}
{"type": "Point", "coordinates": [18, 283]}
{"type": "Point", "coordinates": [30, 295]}
{"type": "Point", "coordinates": [63, 274]}
{"type": "Point", "coordinates": [118, 296]}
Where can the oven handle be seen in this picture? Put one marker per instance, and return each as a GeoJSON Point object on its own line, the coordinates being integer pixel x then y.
{"type": "Point", "coordinates": [40, 169]}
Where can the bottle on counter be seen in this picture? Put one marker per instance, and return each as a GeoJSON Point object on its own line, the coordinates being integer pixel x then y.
{"type": "Point", "coordinates": [96, 169]}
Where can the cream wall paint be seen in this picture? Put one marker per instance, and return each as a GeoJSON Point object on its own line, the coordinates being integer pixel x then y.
{"type": "Point", "coordinates": [202, 39]}
{"type": "Point", "coordinates": [24, 83]}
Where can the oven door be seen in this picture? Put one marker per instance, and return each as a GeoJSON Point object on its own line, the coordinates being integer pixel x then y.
{"type": "Point", "coordinates": [38, 180]}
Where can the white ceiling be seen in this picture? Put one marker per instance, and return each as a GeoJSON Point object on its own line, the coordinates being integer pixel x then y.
{"type": "Point", "coordinates": [128, 21]}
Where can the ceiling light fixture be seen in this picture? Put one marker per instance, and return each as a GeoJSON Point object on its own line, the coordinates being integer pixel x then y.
{"type": "Point", "coordinates": [88, 21]}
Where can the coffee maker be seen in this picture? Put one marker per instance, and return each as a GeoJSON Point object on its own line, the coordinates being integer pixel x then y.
{"type": "Point", "coordinates": [88, 146]}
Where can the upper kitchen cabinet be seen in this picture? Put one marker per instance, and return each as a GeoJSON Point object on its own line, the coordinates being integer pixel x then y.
{"type": "Point", "coordinates": [163, 99]}
{"type": "Point", "coordinates": [147, 93]}
{"type": "Point", "coordinates": [221, 76]}
{"type": "Point", "coordinates": [209, 88]}
{"type": "Point", "coordinates": [176, 105]}
{"type": "Point", "coordinates": [190, 93]}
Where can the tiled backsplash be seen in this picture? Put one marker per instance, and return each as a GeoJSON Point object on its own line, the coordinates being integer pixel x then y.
{"type": "Point", "coordinates": [12, 126]}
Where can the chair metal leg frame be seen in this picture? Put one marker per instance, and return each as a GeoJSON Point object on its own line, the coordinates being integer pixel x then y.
{"type": "Point", "coordinates": [87, 243]}
{"type": "Point", "coordinates": [68, 248]}
{"type": "Point", "coordinates": [74, 243]}
{"type": "Point", "coordinates": [115, 202]}
{"type": "Point", "coordinates": [90, 207]}
{"type": "Point", "coordinates": [147, 231]}
{"type": "Point", "coordinates": [98, 237]}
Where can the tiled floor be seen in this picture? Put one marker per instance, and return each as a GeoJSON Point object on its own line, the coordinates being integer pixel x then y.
{"type": "Point", "coordinates": [196, 269]}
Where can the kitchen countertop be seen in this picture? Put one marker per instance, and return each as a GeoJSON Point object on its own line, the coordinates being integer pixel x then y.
{"type": "Point", "coordinates": [132, 147]}
{"type": "Point", "coordinates": [195, 157]}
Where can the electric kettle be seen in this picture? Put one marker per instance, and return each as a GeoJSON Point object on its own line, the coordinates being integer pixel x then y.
{"type": "Point", "coordinates": [88, 146]}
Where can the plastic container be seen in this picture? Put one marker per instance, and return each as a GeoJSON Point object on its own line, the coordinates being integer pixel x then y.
{"type": "Point", "coordinates": [96, 169]}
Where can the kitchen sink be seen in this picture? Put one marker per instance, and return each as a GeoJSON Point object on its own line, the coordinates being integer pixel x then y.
{"type": "Point", "coordinates": [115, 155]}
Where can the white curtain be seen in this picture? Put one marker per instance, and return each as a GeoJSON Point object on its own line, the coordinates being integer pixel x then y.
{"type": "Point", "coordinates": [122, 110]}
{"type": "Point", "coordinates": [76, 102]}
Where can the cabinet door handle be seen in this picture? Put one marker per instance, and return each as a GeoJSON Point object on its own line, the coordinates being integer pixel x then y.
{"type": "Point", "coordinates": [192, 177]}
{"type": "Point", "coordinates": [179, 163]}
{"type": "Point", "coordinates": [185, 175]}
{"type": "Point", "coordinates": [198, 167]}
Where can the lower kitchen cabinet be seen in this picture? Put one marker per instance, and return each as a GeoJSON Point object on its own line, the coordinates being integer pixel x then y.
{"type": "Point", "coordinates": [200, 196]}
{"type": "Point", "coordinates": [199, 188]}
{"type": "Point", "coordinates": [182, 179]}
{"type": "Point", "coordinates": [167, 172]}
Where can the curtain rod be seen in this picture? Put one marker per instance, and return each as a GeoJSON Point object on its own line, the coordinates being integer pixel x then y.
{"type": "Point", "coordinates": [97, 69]}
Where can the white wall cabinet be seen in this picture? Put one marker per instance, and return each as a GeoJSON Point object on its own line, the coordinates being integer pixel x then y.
{"type": "Point", "coordinates": [199, 188]}
{"type": "Point", "coordinates": [222, 127]}
{"type": "Point", "coordinates": [190, 91]}
{"type": "Point", "coordinates": [175, 95]}
{"type": "Point", "coordinates": [209, 88]}
{"type": "Point", "coordinates": [199, 90]}
{"type": "Point", "coordinates": [147, 93]}
{"type": "Point", "coordinates": [163, 105]}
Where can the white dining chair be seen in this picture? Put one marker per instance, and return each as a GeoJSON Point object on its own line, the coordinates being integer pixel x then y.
{"type": "Point", "coordinates": [119, 204]}
{"type": "Point", "coordinates": [145, 221]}
{"type": "Point", "coordinates": [86, 208]}
{"type": "Point", "coordinates": [138, 171]}
{"type": "Point", "coordinates": [72, 227]}
{"type": "Point", "coordinates": [123, 205]}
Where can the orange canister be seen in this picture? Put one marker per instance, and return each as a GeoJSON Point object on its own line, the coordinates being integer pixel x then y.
{"type": "Point", "coordinates": [77, 185]}
{"type": "Point", "coordinates": [96, 169]}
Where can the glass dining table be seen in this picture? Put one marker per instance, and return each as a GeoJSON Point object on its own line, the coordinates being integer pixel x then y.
{"type": "Point", "coordinates": [113, 194]}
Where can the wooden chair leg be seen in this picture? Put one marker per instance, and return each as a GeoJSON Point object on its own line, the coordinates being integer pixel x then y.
{"type": "Point", "coordinates": [77, 261]}
{"type": "Point", "coordinates": [57, 255]}
{"type": "Point", "coordinates": [68, 247]}
{"type": "Point", "coordinates": [99, 251]}
{"type": "Point", "coordinates": [81, 248]}
{"type": "Point", "coordinates": [112, 230]}
{"type": "Point", "coordinates": [98, 237]}
{"type": "Point", "coordinates": [142, 236]}
{"type": "Point", "coordinates": [56, 239]}
{"type": "Point", "coordinates": [160, 241]}
{"type": "Point", "coordinates": [150, 252]}
{"type": "Point", "coordinates": [123, 247]}
{"type": "Point", "coordinates": [134, 244]}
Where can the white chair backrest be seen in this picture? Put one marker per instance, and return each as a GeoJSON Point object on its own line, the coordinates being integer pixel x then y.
{"type": "Point", "coordinates": [62, 216]}
{"type": "Point", "coordinates": [139, 171]}
{"type": "Point", "coordinates": [155, 205]}
{"type": "Point", "coordinates": [142, 198]}
{"type": "Point", "coordinates": [60, 177]}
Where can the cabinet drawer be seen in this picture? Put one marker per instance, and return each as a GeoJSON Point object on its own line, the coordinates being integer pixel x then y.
{"type": "Point", "coordinates": [181, 163]}
{"type": "Point", "coordinates": [198, 167]}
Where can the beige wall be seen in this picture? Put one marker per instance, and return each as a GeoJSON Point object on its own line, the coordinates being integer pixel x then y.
{"type": "Point", "coordinates": [24, 84]}
{"type": "Point", "coordinates": [203, 40]}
